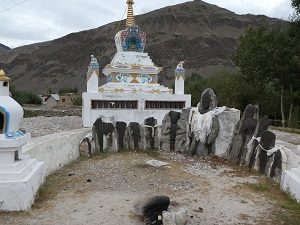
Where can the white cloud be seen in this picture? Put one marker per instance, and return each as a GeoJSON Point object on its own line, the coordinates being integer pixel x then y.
{"type": "Point", "coordinates": [42, 20]}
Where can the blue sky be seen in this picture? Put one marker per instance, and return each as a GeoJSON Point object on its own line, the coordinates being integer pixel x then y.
{"type": "Point", "coordinates": [30, 21]}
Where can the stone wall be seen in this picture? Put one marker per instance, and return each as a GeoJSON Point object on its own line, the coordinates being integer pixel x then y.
{"type": "Point", "coordinates": [56, 150]}
{"type": "Point", "coordinates": [110, 136]}
{"type": "Point", "coordinates": [60, 112]}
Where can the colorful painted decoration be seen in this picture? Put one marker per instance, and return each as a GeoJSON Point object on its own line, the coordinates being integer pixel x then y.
{"type": "Point", "coordinates": [93, 67]}
{"type": "Point", "coordinates": [144, 78]}
{"type": "Point", "coordinates": [180, 71]}
{"type": "Point", "coordinates": [133, 39]}
{"type": "Point", "coordinates": [123, 78]}
{"type": "Point", "coordinates": [109, 78]}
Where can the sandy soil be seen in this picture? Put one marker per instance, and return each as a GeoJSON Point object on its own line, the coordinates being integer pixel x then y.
{"type": "Point", "coordinates": [121, 181]}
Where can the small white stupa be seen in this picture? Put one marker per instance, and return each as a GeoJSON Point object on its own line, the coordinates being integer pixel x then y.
{"type": "Point", "coordinates": [132, 92]}
{"type": "Point", "coordinates": [179, 79]}
{"type": "Point", "coordinates": [20, 176]}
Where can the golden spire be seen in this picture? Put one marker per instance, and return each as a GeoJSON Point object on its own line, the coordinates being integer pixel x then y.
{"type": "Point", "coordinates": [3, 76]}
{"type": "Point", "coordinates": [130, 17]}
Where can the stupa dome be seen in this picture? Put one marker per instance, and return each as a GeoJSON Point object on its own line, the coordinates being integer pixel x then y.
{"type": "Point", "coordinates": [11, 112]}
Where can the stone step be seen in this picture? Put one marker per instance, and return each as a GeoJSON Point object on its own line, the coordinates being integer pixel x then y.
{"type": "Point", "coordinates": [18, 165]}
{"type": "Point", "coordinates": [19, 174]}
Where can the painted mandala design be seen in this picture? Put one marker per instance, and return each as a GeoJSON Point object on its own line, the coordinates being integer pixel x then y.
{"type": "Point", "coordinates": [133, 39]}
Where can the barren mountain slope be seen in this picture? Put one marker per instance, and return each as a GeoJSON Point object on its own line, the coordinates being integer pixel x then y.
{"type": "Point", "coordinates": [203, 35]}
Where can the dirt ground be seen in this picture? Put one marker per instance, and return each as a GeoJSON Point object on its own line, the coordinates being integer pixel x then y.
{"type": "Point", "coordinates": [106, 189]}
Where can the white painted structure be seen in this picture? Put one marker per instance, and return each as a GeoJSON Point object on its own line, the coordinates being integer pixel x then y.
{"type": "Point", "coordinates": [132, 92]}
{"type": "Point", "coordinates": [290, 179]}
{"type": "Point", "coordinates": [20, 176]}
{"type": "Point", "coordinates": [179, 79]}
{"type": "Point", "coordinates": [56, 150]}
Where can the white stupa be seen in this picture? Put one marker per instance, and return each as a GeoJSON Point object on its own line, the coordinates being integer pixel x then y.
{"type": "Point", "coordinates": [132, 92]}
{"type": "Point", "coordinates": [20, 176]}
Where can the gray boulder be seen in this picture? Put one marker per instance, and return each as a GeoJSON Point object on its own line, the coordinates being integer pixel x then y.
{"type": "Point", "coordinates": [134, 136]}
{"type": "Point", "coordinates": [104, 136]}
{"type": "Point", "coordinates": [243, 133]}
{"type": "Point", "coordinates": [182, 140]}
{"type": "Point", "coordinates": [208, 101]}
{"type": "Point", "coordinates": [151, 133]}
{"type": "Point", "coordinates": [169, 131]}
{"type": "Point", "coordinates": [261, 127]}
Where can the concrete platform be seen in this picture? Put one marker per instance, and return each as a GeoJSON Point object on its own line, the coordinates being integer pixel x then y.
{"type": "Point", "coordinates": [19, 185]}
{"type": "Point", "coordinates": [290, 182]}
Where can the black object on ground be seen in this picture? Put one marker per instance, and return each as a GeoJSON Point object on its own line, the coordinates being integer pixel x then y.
{"type": "Point", "coordinates": [154, 207]}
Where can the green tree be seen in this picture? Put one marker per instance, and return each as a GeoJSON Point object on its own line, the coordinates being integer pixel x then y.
{"type": "Point", "coordinates": [67, 90]}
{"type": "Point", "coordinates": [267, 56]}
{"type": "Point", "coordinates": [194, 85]}
{"type": "Point", "coordinates": [77, 101]}
{"type": "Point", "coordinates": [24, 97]}
{"type": "Point", "coordinates": [296, 6]}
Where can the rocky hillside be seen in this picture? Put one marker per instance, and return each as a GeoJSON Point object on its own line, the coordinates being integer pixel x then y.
{"type": "Point", "coordinates": [3, 48]}
{"type": "Point", "coordinates": [202, 34]}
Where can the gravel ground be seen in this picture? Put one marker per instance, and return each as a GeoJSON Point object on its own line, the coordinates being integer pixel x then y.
{"type": "Point", "coordinates": [119, 182]}
{"type": "Point", "coordinates": [40, 126]}
{"type": "Point", "coordinates": [288, 137]}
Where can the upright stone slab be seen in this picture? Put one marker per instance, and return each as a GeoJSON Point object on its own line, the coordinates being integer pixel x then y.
{"type": "Point", "coordinates": [267, 142]}
{"type": "Point", "coordinates": [208, 102]}
{"type": "Point", "coordinates": [134, 136]}
{"type": "Point", "coordinates": [206, 148]}
{"type": "Point", "coordinates": [173, 129]}
{"type": "Point", "coordinates": [104, 136]}
{"type": "Point", "coordinates": [120, 134]}
{"type": "Point", "coordinates": [151, 133]}
{"type": "Point", "coordinates": [169, 131]}
{"type": "Point", "coordinates": [243, 133]}
{"type": "Point", "coordinates": [228, 120]}
{"type": "Point", "coordinates": [182, 140]}
{"type": "Point", "coordinates": [165, 133]}
{"type": "Point", "coordinates": [261, 127]}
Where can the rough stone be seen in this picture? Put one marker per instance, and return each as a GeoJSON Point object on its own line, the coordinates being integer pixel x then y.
{"type": "Point", "coordinates": [151, 133]}
{"type": "Point", "coordinates": [156, 163]}
{"type": "Point", "coordinates": [208, 101]}
{"type": "Point", "coordinates": [243, 133]}
{"type": "Point", "coordinates": [103, 136]}
{"type": "Point", "coordinates": [173, 129]}
{"type": "Point", "coordinates": [165, 133]}
{"type": "Point", "coordinates": [154, 208]}
{"type": "Point", "coordinates": [262, 126]}
{"type": "Point", "coordinates": [121, 129]}
{"type": "Point", "coordinates": [134, 136]}
{"type": "Point", "coordinates": [169, 131]}
{"type": "Point", "coordinates": [267, 142]}
{"type": "Point", "coordinates": [179, 217]}
{"type": "Point", "coordinates": [182, 140]}
{"type": "Point", "coordinates": [227, 120]}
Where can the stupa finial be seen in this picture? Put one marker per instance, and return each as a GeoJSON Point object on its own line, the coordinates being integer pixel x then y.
{"type": "Point", "coordinates": [3, 76]}
{"type": "Point", "coordinates": [130, 16]}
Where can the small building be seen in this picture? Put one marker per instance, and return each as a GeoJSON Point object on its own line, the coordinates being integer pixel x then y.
{"type": "Point", "coordinates": [67, 99]}
{"type": "Point", "coordinates": [52, 100]}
